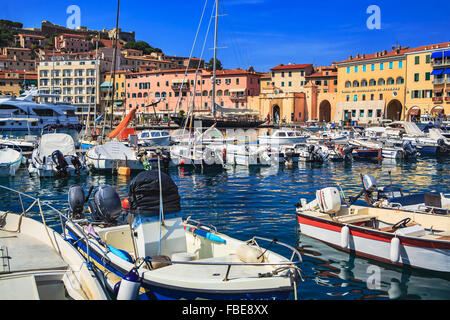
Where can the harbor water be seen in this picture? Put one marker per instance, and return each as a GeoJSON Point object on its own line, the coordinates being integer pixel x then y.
{"type": "Point", "coordinates": [243, 202]}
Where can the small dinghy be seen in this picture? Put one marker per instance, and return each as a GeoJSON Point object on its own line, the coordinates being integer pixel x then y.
{"type": "Point", "coordinates": [112, 155]}
{"type": "Point", "coordinates": [55, 157]}
{"type": "Point", "coordinates": [38, 263]}
{"type": "Point", "coordinates": [158, 255]}
{"type": "Point", "coordinates": [405, 238]}
{"type": "Point", "coordinates": [10, 161]}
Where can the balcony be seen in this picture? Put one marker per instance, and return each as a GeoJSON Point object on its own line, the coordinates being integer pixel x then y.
{"type": "Point", "coordinates": [447, 99]}
{"type": "Point", "coordinates": [179, 86]}
{"type": "Point", "coordinates": [439, 81]}
{"type": "Point", "coordinates": [437, 99]}
{"type": "Point", "coordinates": [238, 96]}
{"type": "Point", "coordinates": [440, 62]}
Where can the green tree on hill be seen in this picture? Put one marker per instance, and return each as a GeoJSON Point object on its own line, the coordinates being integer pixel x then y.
{"type": "Point", "coordinates": [141, 45]}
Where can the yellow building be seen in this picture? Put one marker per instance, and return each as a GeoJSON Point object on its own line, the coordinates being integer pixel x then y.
{"type": "Point", "coordinates": [106, 92]}
{"type": "Point", "coordinates": [291, 77]}
{"type": "Point", "coordinates": [401, 84]}
{"type": "Point", "coordinates": [371, 87]}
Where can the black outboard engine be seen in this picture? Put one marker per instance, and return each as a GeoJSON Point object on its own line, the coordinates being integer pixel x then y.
{"type": "Point", "coordinates": [408, 149]}
{"type": "Point", "coordinates": [106, 206]}
{"type": "Point", "coordinates": [60, 162]}
{"type": "Point", "coordinates": [144, 194]}
{"type": "Point", "coordinates": [347, 150]}
{"type": "Point", "coordinates": [76, 201]}
{"type": "Point", "coordinates": [76, 164]}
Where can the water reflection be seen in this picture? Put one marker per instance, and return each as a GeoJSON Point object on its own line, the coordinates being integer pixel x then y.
{"type": "Point", "coordinates": [244, 202]}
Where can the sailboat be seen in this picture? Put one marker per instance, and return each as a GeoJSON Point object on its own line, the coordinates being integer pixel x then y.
{"type": "Point", "coordinates": [236, 118]}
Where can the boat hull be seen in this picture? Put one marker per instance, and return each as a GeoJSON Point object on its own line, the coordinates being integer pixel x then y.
{"type": "Point", "coordinates": [154, 290]}
{"type": "Point", "coordinates": [373, 244]}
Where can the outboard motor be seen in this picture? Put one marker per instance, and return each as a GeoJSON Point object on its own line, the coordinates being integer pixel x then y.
{"type": "Point", "coordinates": [106, 205]}
{"type": "Point", "coordinates": [76, 164]}
{"type": "Point", "coordinates": [60, 162]}
{"type": "Point", "coordinates": [408, 149]}
{"type": "Point", "coordinates": [347, 150]}
{"type": "Point", "coordinates": [76, 201]}
{"type": "Point", "coordinates": [369, 186]}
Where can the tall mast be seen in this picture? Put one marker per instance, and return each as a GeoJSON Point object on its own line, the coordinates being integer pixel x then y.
{"type": "Point", "coordinates": [213, 109]}
{"type": "Point", "coordinates": [114, 63]}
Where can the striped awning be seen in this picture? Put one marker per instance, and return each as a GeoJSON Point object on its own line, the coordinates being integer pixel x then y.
{"type": "Point", "coordinates": [414, 111]}
{"type": "Point", "coordinates": [437, 109]}
{"type": "Point", "coordinates": [237, 90]}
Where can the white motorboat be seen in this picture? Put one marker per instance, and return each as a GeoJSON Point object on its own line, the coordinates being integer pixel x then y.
{"type": "Point", "coordinates": [404, 238]}
{"type": "Point", "coordinates": [175, 258]}
{"type": "Point", "coordinates": [334, 136]}
{"type": "Point", "coordinates": [10, 161]}
{"type": "Point", "coordinates": [250, 155]}
{"type": "Point", "coordinates": [311, 153]}
{"type": "Point", "coordinates": [112, 155]}
{"type": "Point", "coordinates": [390, 149]}
{"type": "Point", "coordinates": [27, 143]}
{"type": "Point", "coordinates": [283, 136]}
{"type": "Point", "coordinates": [55, 156]}
{"type": "Point", "coordinates": [38, 263]}
{"type": "Point", "coordinates": [150, 138]}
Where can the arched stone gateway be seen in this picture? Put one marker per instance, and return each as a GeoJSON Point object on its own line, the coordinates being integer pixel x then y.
{"type": "Point", "coordinates": [276, 114]}
{"type": "Point", "coordinates": [325, 111]}
{"type": "Point", "coordinates": [394, 110]}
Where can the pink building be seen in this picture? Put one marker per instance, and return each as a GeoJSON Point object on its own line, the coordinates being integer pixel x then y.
{"type": "Point", "coordinates": [72, 43]}
{"type": "Point", "coordinates": [232, 89]}
{"type": "Point", "coordinates": [30, 41]}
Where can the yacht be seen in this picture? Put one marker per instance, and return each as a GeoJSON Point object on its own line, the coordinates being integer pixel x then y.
{"type": "Point", "coordinates": [24, 114]}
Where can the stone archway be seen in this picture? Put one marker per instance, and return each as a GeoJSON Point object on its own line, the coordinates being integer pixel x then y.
{"type": "Point", "coordinates": [414, 114]}
{"type": "Point", "coordinates": [394, 110]}
{"type": "Point", "coordinates": [276, 114]}
{"type": "Point", "coordinates": [325, 111]}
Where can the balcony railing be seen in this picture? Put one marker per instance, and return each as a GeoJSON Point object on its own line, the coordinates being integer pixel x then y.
{"type": "Point", "coordinates": [178, 86]}
{"type": "Point", "coordinates": [437, 99]}
{"type": "Point", "coordinates": [238, 97]}
{"type": "Point", "coordinates": [447, 99]}
{"type": "Point", "coordinates": [439, 81]}
{"type": "Point", "coordinates": [440, 62]}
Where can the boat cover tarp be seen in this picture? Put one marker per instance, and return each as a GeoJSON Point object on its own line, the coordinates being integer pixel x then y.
{"type": "Point", "coordinates": [56, 141]}
{"type": "Point", "coordinates": [8, 156]}
{"type": "Point", "coordinates": [115, 151]}
{"type": "Point", "coordinates": [144, 194]}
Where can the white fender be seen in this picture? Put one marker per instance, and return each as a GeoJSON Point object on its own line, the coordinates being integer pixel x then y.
{"type": "Point", "coordinates": [345, 237]}
{"type": "Point", "coordinates": [129, 286]}
{"type": "Point", "coordinates": [395, 250]}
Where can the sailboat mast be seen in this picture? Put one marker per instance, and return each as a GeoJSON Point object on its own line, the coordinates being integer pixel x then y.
{"type": "Point", "coordinates": [213, 109]}
{"type": "Point", "coordinates": [114, 64]}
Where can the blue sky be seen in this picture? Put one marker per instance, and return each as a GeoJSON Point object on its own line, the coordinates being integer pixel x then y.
{"type": "Point", "coordinates": [258, 33]}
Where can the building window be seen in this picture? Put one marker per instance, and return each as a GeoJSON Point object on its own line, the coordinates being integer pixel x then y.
{"type": "Point", "coordinates": [417, 60]}
{"type": "Point", "coordinates": [382, 66]}
{"type": "Point", "coordinates": [353, 113]}
{"type": "Point", "coordinates": [427, 75]}
{"type": "Point", "coordinates": [378, 113]}
{"type": "Point", "coordinates": [370, 113]}
{"type": "Point", "coordinates": [282, 74]}
{"type": "Point", "coordinates": [428, 58]}
{"type": "Point", "coordinates": [363, 97]}
{"type": "Point", "coordinates": [348, 69]}
{"type": "Point", "coordinates": [364, 68]}
{"type": "Point", "coordinates": [400, 64]}
{"type": "Point", "coordinates": [361, 113]}
{"type": "Point", "coordinates": [348, 98]}
{"type": "Point", "coordinates": [290, 74]}
{"type": "Point", "coordinates": [400, 80]}
{"type": "Point", "coordinates": [391, 65]}
{"type": "Point", "coordinates": [372, 67]}
{"type": "Point", "coordinates": [355, 97]}
{"type": "Point", "coordinates": [356, 69]}
{"type": "Point", "coordinates": [416, 77]}
{"type": "Point", "coordinates": [290, 84]}
{"type": "Point", "coordinates": [282, 84]}
{"type": "Point", "coordinates": [381, 96]}
{"type": "Point", "coordinates": [372, 96]}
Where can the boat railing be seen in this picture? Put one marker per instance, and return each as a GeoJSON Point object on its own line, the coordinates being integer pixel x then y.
{"type": "Point", "coordinates": [37, 202]}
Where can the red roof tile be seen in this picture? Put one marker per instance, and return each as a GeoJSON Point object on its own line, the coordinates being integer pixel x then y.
{"type": "Point", "coordinates": [292, 66]}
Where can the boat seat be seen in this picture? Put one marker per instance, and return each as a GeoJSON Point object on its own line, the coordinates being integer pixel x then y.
{"type": "Point", "coordinates": [20, 288]}
{"type": "Point", "coordinates": [118, 237]}
{"type": "Point", "coordinates": [354, 219]}
{"type": "Point", "coordinates": [409, 200]}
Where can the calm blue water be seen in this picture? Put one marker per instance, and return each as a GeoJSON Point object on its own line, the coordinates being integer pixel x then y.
{"type": "Point", "coordinates": [243, 203]}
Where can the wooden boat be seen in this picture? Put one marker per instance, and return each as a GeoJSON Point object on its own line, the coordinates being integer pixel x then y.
{"type": "Point", "coordinates": [176, 258]}
{"type": "Point", "coordinates": [399, 237]}
{"type": "Point", "coordinates": [39, 264]}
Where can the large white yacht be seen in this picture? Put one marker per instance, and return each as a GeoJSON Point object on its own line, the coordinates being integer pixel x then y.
{"type": "Point", "coordinates": [23, 114]}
